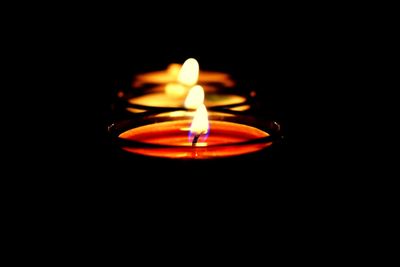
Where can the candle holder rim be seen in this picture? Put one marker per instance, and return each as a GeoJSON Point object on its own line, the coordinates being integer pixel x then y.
{"type": "Point", "coordinates": [116, 128]}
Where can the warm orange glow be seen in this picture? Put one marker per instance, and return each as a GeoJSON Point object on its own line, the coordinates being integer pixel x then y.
{"type": "Point", "coordinates": [189, 73]}
{"type": "Point", "coordinates": [195, 97]}
{"type": "Point", "coordinates": [200, 121]}
{"type": "Point", "coordinates": [173, 135]}
{"type": "Point", "coordinates": [175, 90]}
{"type": "Point", "coordinates": [173, 69]}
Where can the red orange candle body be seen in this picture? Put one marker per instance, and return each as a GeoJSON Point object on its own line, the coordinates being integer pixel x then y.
{"type": "Point", "coordinates": [224, 140]}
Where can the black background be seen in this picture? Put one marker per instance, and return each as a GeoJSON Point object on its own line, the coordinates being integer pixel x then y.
{"type": "Point", "coordinates": [268, 68]}
{"type": "Point", "coordinates": [283, 52]}
{"type": "Point", "coordinates": [272, 61]}
{"type": "Point", "coordinates": [279, 55]}
{"type": "Point", "coordinates": [70, 184]}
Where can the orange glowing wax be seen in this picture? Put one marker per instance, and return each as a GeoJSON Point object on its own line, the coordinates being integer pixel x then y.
{"type": "Point", "coordinates": [224, 140]}
{"type": "Point", "coordinates": [160, 99]}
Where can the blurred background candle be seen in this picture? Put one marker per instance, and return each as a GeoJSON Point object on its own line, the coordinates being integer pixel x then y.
{"type": "Point", "coordinates": [157, 99]}
{"type": "Point", "coordinates": [175, 85]}
{"type": "Point", "coordinates": [171, 75]}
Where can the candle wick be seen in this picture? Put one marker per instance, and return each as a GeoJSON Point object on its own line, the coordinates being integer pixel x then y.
{"type": "Point", "coordinates": [195, 139]}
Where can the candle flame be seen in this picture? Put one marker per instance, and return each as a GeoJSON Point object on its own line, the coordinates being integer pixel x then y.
{"type": "Point", "coordinates": [189, 73]}
{"type": "Point", "coordinates": [200, 121]}
{"type": "Point", "coordinates": [195, 97]}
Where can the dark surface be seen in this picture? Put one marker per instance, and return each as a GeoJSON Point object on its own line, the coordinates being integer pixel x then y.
{"type": "Point", "coordinates": [88, 189]}
{"type": "Point", "coordinates": [268, 69]}
{"type": "Point", "coordinates": [275, 55]}
{"type": "Point", "coordinates": [278, 61]}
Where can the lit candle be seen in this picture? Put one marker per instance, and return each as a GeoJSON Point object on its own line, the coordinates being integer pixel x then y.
{"type": "Point", "coordinates": [159, 99]}
{"type": "Point", "coordinates": [177, 85]}
{"type": "Point", "coordinates": [195, 135]}
{"type": "Point", "coordinates": [170, 75]}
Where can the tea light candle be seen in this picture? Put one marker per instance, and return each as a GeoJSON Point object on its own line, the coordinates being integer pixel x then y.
{"type": "Point", "coordinates": [170, 75]}
{"type": "Point", "coordinates": [177, 83]}
{"type": "Point", "coordinates": [190, 135]}
{"type": "Point", "coordinates": [160, 99]}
